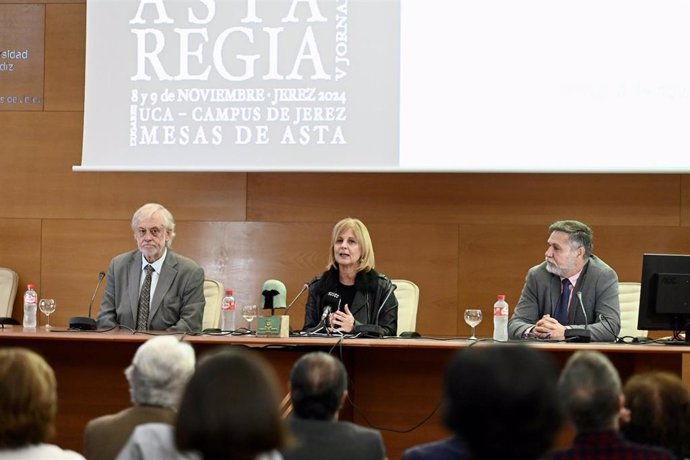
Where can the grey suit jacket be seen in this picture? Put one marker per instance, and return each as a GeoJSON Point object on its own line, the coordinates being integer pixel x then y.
{"type": "Point", "coordinates": [541, 294]}
{"type": "Point", "coordinates": [330, 440]}
{"type": "Point", "coordinates": [177, 303]}
{"type": "Point", "coordinates": [105, 436]}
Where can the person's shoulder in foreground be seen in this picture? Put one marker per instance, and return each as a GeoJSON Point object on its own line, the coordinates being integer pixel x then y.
{"type": "Point", "coordinates": [39, 452]}
{"type": "Point", "coordinates": [609, 445]}
{"type": "Point", "coordinates": [446, 449]}
{"type": "Point", "coordinates": [342, 440]}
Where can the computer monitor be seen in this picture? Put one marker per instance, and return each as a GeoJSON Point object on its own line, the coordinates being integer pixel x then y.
{"type": "Point", "coordinates": [665, 294]}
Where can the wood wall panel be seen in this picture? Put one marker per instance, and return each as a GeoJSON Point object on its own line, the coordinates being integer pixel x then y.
{"type": "Point", "coordinates": [623, 247]}
{"type": "Point", "coordinates": [74, 252]}
{"type": "Point", "coordinates": [494, 260]}
{"type": "Point", "coordinates": [428, 256]}
{"type": "Point", "coordinates": [20, 252]}
{"type": "Point", "coordinates": [36, 178]}
{"type": "Point", "coordinates": [510, 199]}
{"type": "Point", "coordinates": [65, 57]}
{"type": "Point", "coordinates": [685, 200]}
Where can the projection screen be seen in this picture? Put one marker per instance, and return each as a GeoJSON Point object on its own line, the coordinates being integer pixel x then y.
{"type": "Point", "coordinates": [387, 85]}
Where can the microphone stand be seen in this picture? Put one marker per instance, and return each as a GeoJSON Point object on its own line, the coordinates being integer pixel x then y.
{"type": "Point", "coordinates": [86, 323]}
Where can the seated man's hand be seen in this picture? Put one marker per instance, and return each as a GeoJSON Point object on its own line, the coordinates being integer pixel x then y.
{"type": "Point", "coordinates": [547, 327]}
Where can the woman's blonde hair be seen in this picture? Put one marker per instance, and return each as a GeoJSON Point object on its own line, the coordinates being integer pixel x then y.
{"type": "Point", "coordinates": [366, 261]}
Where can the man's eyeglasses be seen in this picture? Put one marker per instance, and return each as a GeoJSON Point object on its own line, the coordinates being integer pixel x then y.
{"type": "Point", "coordinates": [154, 231]}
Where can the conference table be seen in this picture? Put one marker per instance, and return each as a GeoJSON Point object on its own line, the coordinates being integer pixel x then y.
{"type": "Point", "coordinates": [395, 383]}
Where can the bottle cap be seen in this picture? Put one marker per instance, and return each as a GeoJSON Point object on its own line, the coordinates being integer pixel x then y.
{"type": "Point", "coordinates": [501, 297]}
{"type": "Point", "coordinates": [31, 286]}
{"type": "Point", "coordinates": [228, 292]}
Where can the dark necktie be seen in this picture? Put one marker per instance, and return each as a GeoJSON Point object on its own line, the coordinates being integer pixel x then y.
{"type": "Point", "coordinates": [144, 301]}
{"type": "Point", "coordinates": [562, 311]}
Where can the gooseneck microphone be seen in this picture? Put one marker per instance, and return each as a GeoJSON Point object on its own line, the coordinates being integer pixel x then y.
{"type": "Point", "coordinates": [82, 323]}
{"type": "Point", "coordinates": [374, 330]}
{"type": "Point", "coordinates": [582, 306]}
{"type": "Point", "coordinates": [332, 299]}
{"type": "Point", "coordinates": [579, 335]}
{"type": "Point", "coordinates": [299, 294]}
{"type": "Point", "coordinates": [390, 292]}
{"type": "Point", "coordinates": [324, 315]}
{"type": "Point", "coordinates": [322, 321]}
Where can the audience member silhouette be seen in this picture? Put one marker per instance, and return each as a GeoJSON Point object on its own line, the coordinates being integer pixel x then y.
{"type": "Point", "coordinates": [28, 406]}
{"type": "Point", "coordinates": [500, 402]}
{"type": "Point", "coordinates": [229, 411]}
{"type": "Point", "coordinates": [659, 405]}
{"type": "Point", "coordinates": [318, 388]}
{"type": "Point", "coordinates": [157, 376]}
{"type": "Point", "coordinates": [591, 394]}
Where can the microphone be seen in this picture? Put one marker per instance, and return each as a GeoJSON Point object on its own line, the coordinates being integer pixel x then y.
{"type": "Point", "coordinates": [579, 335]}
{"type": "Point", "coordinates": [324, 315]}
{"type": "Point", "coordinates": [305, 287]}
{"type": "Point", "coordinates": [322, 321]}
{"type": "Point", "coordinates": [582, 306]}
{"type": "Point", "coordinates": [331, 300]}
{"type": "Point", "coordinates": [299, 294]}
{"type": "Point", "coordinates": [81, 323]}
{"type": "Point", "coordinates": [390, 291]}
{"type": "Point", "coordinates": [374, 330]}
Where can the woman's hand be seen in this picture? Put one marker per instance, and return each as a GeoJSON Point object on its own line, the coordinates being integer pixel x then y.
{"type": "Point", "coordinates": [343, 319]}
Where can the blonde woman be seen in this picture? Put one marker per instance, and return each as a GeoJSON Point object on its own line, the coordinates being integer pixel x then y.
{"type": "Point", "coordinates": [358, 294]}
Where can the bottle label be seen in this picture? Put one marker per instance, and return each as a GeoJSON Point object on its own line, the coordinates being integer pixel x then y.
{"type": "Point", "coordinates": [500, 311]}
{"type": "Point", "coordinates": [229, 305]}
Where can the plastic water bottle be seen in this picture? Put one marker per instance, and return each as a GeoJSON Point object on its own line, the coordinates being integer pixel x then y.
{"type": "Point", "coordinates": [227, 314]}
{"type": "Point", "coordinates": [501, 319]}
{"type": "Point", "coordinates": [30, 301]}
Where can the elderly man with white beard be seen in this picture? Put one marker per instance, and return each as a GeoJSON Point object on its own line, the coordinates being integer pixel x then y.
{"type": "Point", "coordinates": [571, 291]}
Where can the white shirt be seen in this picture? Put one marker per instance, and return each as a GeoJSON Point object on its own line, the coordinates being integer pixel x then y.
{"type": "Point", "coordinates": [39, 452]}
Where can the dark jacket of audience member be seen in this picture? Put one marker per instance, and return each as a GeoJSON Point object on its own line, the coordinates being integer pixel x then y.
{"type": "Point", "coordinates": [318, 387]}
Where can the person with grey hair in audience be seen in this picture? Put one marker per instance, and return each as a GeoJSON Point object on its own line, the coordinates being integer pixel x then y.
{"type": "Point", "coordinates": [152, 287]}
{"type": "Point", "coordinates": [230, 410]}
{"type": "Point", "coordinates": [161, 368]}
{"type": "Point", "coordinates": [592, 397]}
{"type": "Point", "coordinates": [318, 388]}
{"type": "Point", "coordinates": [572, 290]}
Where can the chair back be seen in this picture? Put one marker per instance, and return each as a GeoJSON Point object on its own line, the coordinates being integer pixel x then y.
{"type": "Point", "coordinates": [213, 293]}
{"type": "Point", "coordinates": [8, 291]}
{"type": "Point", "coordinates": [407, 294]}
{"type": "Point", "coordinates": [629, 298]}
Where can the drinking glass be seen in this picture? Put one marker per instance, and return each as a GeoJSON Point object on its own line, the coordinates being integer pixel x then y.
{"type": "Point", "coordinates": [473, 317]}
{"type": "Point", "coordinates": [47, 307]}
{"type": "Point", "coordinates": [249, 313]}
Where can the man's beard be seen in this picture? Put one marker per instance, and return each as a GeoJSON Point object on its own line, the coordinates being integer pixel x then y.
{"type": "Point", "coordinates": [558, 271]}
